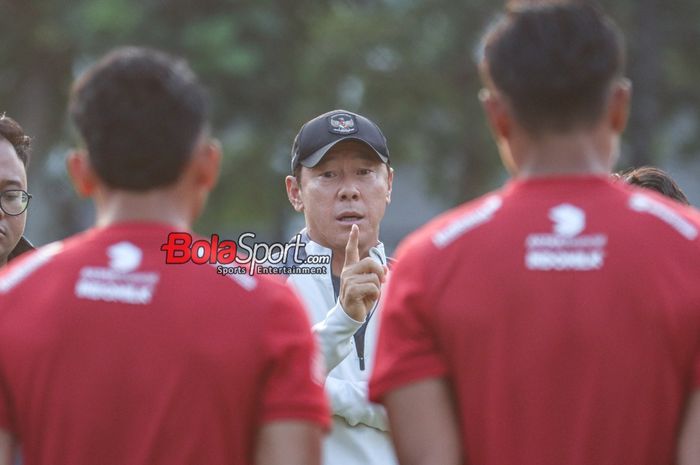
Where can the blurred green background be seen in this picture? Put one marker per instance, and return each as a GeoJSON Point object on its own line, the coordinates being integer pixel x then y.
{"type": "Point", "coordinates": [271, 65]}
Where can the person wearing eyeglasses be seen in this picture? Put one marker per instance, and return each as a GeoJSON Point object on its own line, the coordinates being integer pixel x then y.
{"type": "Point", "coordinates": [15, 148]}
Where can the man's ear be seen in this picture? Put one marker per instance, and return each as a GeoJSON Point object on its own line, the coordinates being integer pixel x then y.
{"type": "Point", "coordinates": [390, 181]}
{"type": "Point", "coordinates": [497, 114]}
{"type": "Point", "coordinates": [294, 193]}
{"type": "Point", "coordinates": [619, 105]}
{"type": "Point", "coordinates": [205, 165]}
{"type": "Point", "coordinates": [81, 173]}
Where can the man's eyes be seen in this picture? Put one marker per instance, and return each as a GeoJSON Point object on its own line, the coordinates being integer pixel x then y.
{"type": "Point", "coordinates": [333, 174]}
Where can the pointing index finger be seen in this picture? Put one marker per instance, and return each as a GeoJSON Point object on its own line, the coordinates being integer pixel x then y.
{"type": "Point", "coordinates": [352, 252]}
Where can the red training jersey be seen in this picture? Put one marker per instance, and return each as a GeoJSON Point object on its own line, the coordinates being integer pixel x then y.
{"type": "Point", "coordinates": [564, 311]}
{"type": "Point", "coordinates": [110, 356]}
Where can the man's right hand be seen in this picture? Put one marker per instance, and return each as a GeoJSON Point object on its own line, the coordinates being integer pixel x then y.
{"type": "Point", "coordinates": [360, 280]}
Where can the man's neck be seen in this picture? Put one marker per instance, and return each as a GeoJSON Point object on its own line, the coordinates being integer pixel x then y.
{"type": "Point", "coordinates": [155, 206]}
{"type": "Point", "coordinates": [339, 260]}
{"type": "Point", "coordinates": [577, 154]}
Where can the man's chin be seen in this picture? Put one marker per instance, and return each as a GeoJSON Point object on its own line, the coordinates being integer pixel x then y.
{"type": "Point", "coordinates": [7, 244]}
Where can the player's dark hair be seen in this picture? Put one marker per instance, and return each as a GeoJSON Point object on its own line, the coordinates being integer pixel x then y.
{"type": "Point", "coordinates": [655, 179]}
{"type": "Point", "coordinates": [140, 113]}
{"type": "Point", "coordinates": [554, 60]}
{"type": "Point", "coordinates": [11, 131]}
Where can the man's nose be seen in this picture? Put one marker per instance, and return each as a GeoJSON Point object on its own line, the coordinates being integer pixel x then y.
{"type": "Point", "coordinates": [349, 190]}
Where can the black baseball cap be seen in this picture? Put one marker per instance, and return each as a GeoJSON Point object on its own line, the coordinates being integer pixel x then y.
{"type": "Point", "coordinates": [318, 136]}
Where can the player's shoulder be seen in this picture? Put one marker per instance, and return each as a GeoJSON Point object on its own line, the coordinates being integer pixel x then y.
{"type": "Point", "coordinates": [50, 258]}
{"type": "Point", "coordinates": [272, 301]}
{"type": "Point", "coordinates": [443, 230]}
{"type": "Point", "coordinates": [263, 290]}
{"type": "Point", "coordinates": [662, 211]}
{"type": "Point", "coordinates": [458, 221]}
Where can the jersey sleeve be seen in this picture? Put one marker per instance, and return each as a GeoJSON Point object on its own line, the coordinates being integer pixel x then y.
{"type": "Point", "coordinates": [407, 349]}
{"type": "Point", "coordinates": [293, 381]}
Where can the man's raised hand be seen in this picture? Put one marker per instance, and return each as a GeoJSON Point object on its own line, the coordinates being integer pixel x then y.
{"type": "Point", "coordinates": [360, 280]}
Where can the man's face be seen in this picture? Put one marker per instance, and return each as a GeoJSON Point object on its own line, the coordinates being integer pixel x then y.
{"type": "Point", "coordinates": [12, 176]}
{"type": "Point", "coordinates": [349, 186]}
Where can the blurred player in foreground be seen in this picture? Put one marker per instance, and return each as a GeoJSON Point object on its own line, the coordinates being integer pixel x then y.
{"type": "Point", "coordinates": [110, 356]}
{"type": "Point", "coordinates": [555, 321]}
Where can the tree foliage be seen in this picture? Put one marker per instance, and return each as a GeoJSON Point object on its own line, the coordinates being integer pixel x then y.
{"type": "Point", "coordinates": [271, 65]}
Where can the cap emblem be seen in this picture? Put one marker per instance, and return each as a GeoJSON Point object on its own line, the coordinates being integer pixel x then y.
{"type": "Point", "coordinates": [342, 123]}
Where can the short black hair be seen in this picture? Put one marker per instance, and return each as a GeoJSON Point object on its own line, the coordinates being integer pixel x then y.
{"type": "Point", "coordinates": [656, 179]}
{"type": "Point", "coordinates": [140, 112]}
{"type": "Point", "coordinates": [14, 134]}
{"type": "Point", "coordinates": [297, 173]}
{"type": "Point", "coordinates": [554, 60]}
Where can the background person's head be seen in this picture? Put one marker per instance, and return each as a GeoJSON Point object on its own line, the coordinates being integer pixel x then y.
{"type": "Point", "coordinates": [553, 69]}
{"type": "Point", "coordinates": [341, 176]}
{"type": "Point", "coordinates": [655, 179]}
{"type": "Point", "coordinates": [142, 115]}
{"type": "Point", "coordinates": [14, 155]}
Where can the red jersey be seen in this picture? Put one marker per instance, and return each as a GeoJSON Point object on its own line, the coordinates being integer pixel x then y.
{"type": "Point", "coordinates": [564, 311]}
{"type": "Point", "coordinates": [109, 356]}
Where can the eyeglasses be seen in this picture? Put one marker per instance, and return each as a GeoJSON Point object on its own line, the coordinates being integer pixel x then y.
{"type": "Point", "coordinates": [14, 202]}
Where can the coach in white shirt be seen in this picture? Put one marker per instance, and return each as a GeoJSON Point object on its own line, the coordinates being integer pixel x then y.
{"type": "Point", "coordinates": [341, 182]}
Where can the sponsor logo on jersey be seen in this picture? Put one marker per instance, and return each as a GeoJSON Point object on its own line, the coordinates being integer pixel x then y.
{"type": "Point", "coordinates": [120, 282]}
{"type": "Point", "coordinates": [124, 257]}
{"type": "Point", "coordinates": [565, 249]}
